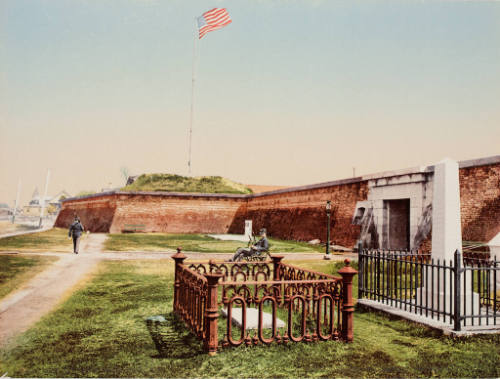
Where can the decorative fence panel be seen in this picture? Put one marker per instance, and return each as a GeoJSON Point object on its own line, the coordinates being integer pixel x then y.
{"type": "Point", "coordinates": [264, 302]}
{"type": "Point", "coordinates": [191, 299]}
{"type": "Point", "coordinates": [237, 271]}
{"type": "Point", "coordinates": [461, 294]}
{"type": "Point", "coordinates": [311, 306]}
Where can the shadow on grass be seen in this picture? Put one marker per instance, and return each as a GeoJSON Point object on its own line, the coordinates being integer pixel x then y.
{"type": "Point", "coordinates": [173, 339]}
{"type": "Point", "coordinates": [408, 327]}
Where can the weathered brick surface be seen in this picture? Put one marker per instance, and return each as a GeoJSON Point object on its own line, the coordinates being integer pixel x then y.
{"type": "Point", "coordinates": [96, 213]}
{"type": "Point", "coordinates": [176, 214]}
{"type": "Point", "coordinates": [480, 202]}
{"type": "Point", "coordinates": [300, 215]}
{"type": "Point", "coordinates": [297, 215]}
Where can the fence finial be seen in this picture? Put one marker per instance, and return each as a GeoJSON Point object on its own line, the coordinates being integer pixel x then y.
{"type": "Point", "coordinates": [179, 255]}
{"type": "Point", "coordinates": [179, 260]}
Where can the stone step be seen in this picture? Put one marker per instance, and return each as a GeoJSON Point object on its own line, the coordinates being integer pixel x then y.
{"type": "Point", "coordinates": [252, 316]}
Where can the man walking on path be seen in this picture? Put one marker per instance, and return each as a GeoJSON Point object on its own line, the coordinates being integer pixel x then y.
{"type": "Point", "coordinates": [75, 231]}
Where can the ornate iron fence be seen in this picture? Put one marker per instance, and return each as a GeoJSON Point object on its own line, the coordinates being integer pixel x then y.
{"type": "Point", "coordinates": [190, 298]}
{"type": "Point", "coordinates": [315, 306]}
{"type": "Point", "coordinates": [460, 292]}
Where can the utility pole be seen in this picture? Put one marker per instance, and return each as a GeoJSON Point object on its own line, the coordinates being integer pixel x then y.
{"type": "Point", "coordinates": [43, 199]}
{"type": "Point", "coordinates": [17, 201]}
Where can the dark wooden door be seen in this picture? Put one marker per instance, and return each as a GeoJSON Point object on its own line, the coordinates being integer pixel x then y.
{"type": "Point", "coordinates": [399, 224]}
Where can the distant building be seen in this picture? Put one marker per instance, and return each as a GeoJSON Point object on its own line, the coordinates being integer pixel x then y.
{"type": "Point", "coordinates": [56, 200]}
{"type": "Point", "coordinates": [52, 203]}
{"type": "Point", "coordinates": [5, 209]}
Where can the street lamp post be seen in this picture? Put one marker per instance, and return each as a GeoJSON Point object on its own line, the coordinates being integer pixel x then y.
{"type": "Point", "coordinates": [328, 209]}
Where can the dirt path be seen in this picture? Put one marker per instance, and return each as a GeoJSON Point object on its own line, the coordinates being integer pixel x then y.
{"type": "Point", "coordinates": [24, 307]}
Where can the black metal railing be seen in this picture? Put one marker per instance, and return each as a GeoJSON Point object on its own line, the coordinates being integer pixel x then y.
{"type": "Point", "coordinates": [457, 292]}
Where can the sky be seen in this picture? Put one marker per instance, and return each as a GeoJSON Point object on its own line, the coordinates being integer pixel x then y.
{"type": "Point", "coordinates": [290, 93]}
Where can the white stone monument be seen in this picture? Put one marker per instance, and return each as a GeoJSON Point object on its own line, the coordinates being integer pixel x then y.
{"type": "Point", "coordinates": [248, 229]}
{"type": "Point", "coordinates": [446, 239]}
{"type": "Point", "coordinates": [494, 246]}
{"type": "Point", "coordinates": [446, 226]}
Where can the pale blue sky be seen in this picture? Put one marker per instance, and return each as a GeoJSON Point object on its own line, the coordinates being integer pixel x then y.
{"type": "Point", "coordinates": [292, 92]}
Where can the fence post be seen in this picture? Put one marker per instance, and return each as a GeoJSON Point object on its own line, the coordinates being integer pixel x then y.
{"type": "Point", "coordinates": [211, 314]}
{"type": "Point", "coordinates": [377, 269]}
{"type": "Point", "coordinates": [361, 270]}
{"type": "Point", "coordinates": [347, 273]}
{"type": "Point", "coordinates": [457, 292]}
{"type": "Point", "coordinates": [179, 259]}
{"type": "Point", "coordinates": [276, 263]}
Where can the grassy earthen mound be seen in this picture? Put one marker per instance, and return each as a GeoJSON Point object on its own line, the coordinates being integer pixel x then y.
{"type": "Point", "coordinates": [178, 183]}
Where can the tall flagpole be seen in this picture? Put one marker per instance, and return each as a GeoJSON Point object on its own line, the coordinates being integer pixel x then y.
{"type": "Point", "coordinates": [193, 80]}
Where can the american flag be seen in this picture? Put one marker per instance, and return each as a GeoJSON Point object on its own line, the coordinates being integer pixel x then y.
{"type": "Point", "coordinates": [212, 20]}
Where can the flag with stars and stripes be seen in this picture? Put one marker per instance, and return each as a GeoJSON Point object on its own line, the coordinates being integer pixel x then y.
{"type": "Point", "coordinates": [212, 20]}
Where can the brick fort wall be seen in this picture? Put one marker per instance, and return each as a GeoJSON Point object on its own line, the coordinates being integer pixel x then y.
{"type": "Point", "coordinates": [295, 214]}
{"type": "Point", "coordinates": [155, 212]}
{"type": "Point", "coordinates": [96, 212]}
{"type": "Point", "coordinates": [177, 213]}
{"type": "Point", "coordinates": [300, 215]}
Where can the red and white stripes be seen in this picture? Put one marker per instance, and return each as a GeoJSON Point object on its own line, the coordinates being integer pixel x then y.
{"type": "Point", "coordinates": [212, 20]}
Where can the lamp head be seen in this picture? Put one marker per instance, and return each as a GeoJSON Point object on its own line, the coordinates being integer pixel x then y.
{"type": "Point", "coordinates": [328, 206]}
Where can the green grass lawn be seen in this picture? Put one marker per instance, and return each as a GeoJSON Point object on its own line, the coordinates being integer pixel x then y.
{"type": "Point", "coordinates": [55, 240]}
{"type": "Point", "coordinates": [17, 270]}
{"type": "Point", "coordinates": [195, 242]}
{"type": "Point", "coordinates": [100, 331]}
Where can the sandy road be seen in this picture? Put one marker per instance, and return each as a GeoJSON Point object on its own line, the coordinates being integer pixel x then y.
{"type": "Point", "coordinates": [22, 308]}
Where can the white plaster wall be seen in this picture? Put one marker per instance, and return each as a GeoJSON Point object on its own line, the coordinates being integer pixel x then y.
{"type": "Point", "coordinates": [416, 187]}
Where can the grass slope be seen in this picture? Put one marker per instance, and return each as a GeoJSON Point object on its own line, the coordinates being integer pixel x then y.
{"type": "Point", "coordinates": [17, 270]}
{"type": "Point", "coordinates": [178, 183]}
{"type": "Point", "coordinates": [101, 332]}
{"type": "Point", "coordinates": [195, 242]}
{"type": "Point", "coordinates": [55, 240]}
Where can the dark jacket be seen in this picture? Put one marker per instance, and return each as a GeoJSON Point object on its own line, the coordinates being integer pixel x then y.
{"type": "Point", "coordinates": [262, 244]}
{"type": "Point", "coordinates": [76, 229]}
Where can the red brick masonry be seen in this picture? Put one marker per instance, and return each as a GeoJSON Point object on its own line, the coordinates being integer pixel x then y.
{"type": "Point", "coordinates": [293, 213]}
{"type": "Point", "coordinates": [480, 202]}
{"type": "Point", "coordinates": [153, 212]}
